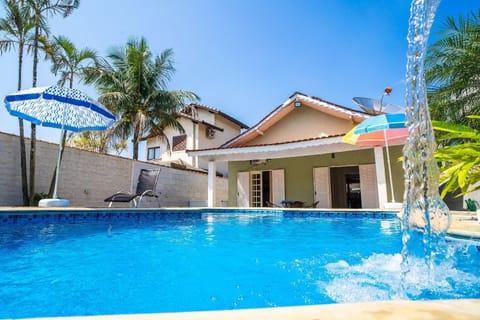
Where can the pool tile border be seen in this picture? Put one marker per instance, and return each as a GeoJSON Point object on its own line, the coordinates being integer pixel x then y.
{"type": "Point", "coordinates": [17, 216]}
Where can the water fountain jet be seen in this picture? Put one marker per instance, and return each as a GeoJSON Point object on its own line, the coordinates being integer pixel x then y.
{"type": "Point", "coordinates": [424, 209]}
{"type": "Point", "coordinates": [425, 215]}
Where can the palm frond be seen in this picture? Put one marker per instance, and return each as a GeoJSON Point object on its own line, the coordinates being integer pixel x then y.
{"type": "Point", "coordinates": [132, 82]}
{"type": "Point", "coordinates": [452, 71]}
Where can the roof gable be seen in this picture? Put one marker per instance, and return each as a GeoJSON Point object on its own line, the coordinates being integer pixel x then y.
{"type": "Point", "coordinates": [343, 119]}
{"type": "Point", "coordinates": [187, 111]}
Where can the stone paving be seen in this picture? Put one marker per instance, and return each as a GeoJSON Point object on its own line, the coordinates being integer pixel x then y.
{"type": "Point", "coordinates": [465, 224]}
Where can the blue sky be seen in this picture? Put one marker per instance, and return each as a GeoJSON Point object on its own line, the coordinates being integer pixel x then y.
{"type": "Point", "coordinates": [246, 57]}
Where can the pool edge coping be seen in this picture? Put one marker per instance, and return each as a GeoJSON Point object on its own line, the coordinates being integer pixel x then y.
{"type": "Point", "coordinates": [395, 309]}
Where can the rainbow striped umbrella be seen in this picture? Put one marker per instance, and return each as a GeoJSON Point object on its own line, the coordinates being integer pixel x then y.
{"type": "Point", "coordinates": [380, 130]}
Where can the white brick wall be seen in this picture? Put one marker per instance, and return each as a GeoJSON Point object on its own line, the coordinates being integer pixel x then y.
{"type": "Point", "coordinates": [86, 178]}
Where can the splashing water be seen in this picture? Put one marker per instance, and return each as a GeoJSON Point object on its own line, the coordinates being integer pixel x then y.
{"type": "Point", "coordinates": [424, 211]}
{"type": "Point", "coordinates": [377, 278]}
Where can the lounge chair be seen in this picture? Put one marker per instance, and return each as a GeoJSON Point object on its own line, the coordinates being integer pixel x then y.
{"type": "Point", "coordinates": [272, 205]}
{"type": "Point", "coordinates": [147, 182]}
{"type": "Point", "coordinates": [313, 205]}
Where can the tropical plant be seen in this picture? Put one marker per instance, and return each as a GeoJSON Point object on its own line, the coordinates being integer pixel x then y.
{"type": "Point", "coordinates": [459, 157]}
{"type": "Point", "coordinates": [453, 71]}
{"type": "Point", "coordinates": [133, 85]}
{"type": "Point", "coordinates": [16, 32]}
{"type": "Point", "coordinates": [40, 10]}
{"type": "Point", "coordinates": [97, 141]}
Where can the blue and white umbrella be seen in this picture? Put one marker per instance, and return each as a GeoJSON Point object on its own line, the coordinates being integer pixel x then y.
{"type": "Point", "coordinates": [62, 108]}
{"type": "Point", "coordinates": [59, 107]}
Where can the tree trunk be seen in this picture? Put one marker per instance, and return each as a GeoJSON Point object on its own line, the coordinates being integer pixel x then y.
{"type": "Point", "coordinates": [21, 129]}
{"type": "Point", "coordinates": [135, 149]}
{"type": "Point", "coordinates": [23, 163]}
{"type": "Point", "coordinates": [33, 146]}
{"type": "Point", "coordinates": [137, 133]}
{"type": "Point", "coordinates": [33, 134]}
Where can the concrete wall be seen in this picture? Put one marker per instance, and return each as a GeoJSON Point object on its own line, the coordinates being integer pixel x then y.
{"type": "Point", "coordinates": [86, 178]}
{"type": "Point", "coordinates": [177, 187]}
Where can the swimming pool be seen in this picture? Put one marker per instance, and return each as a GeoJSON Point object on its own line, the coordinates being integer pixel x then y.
{"type": "Point", "coordinates": [91, 263]}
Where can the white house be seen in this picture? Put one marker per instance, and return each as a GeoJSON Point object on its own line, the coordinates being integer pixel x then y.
{"type": "Point", "coordinates": [205, 127]}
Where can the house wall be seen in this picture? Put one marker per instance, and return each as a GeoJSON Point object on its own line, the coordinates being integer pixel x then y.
{"type": "Point", "coordinates": [303, 123]}
{"type": "Point", "coordinates": [299, 172]}
{"type": "Point", "coordinates": [166, 153]}
{"type": "Point", "coordinates": [206, 115]}
{"type": "Point", "coordinates": [197, 132]}
{"type": "Point", "coordinates": [230, 130]}
{"type": "Point", "coordinates": [86, 178]}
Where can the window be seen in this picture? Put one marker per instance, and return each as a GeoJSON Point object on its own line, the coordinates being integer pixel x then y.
{"type": "Point", "coordinates": [179, 143]}
{"type": "Point", "coordinates": [153, 153]}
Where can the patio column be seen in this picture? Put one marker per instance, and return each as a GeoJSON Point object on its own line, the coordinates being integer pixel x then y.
{"type": "Point", "coordinates": [196, 137]}
{"type": "Point", "coordinates": [381, 180]}
{"type": "Point", "coordinates": [212, 174]}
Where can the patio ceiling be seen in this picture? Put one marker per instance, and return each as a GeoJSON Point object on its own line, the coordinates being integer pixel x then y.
{"type": "Point", "coordinates": [315, 146]}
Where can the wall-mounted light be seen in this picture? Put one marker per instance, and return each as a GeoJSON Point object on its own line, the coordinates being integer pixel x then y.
{"type": "Point", "coordinates": [297, 104]}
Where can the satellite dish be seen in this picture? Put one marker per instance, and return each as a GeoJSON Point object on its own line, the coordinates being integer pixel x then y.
{"type": "Point", "coordinates": [376, 107]}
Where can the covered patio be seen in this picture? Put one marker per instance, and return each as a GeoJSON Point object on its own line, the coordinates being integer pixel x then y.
{"type": "Point", "coordinates": [331, 146]}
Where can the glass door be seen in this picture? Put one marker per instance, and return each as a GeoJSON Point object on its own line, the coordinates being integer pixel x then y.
{"type": "Point", "coordinates": [256, 189]}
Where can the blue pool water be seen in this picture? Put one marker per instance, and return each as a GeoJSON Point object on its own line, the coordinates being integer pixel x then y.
{"type": "Point", "coordinates": [86, 265]}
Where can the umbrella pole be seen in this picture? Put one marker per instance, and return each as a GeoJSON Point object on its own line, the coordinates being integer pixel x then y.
{"type": "Point", "coordinates": [389, 165]}
{"type": "Point", "coordinates": [57, 173]}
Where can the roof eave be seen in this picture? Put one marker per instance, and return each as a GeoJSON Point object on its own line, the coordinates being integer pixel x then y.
{"type": "Point", "coordinates": [220, 113]}
{"type": "Point", "coordinates": [275, 151]}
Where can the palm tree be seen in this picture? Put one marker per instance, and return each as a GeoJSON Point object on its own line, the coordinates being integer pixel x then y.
{"type": "Point", "coordinates": [134, 86]}
{"type": "Point", "coordinates": [453, 71]}
{"type": "Point", "coordinates": [40, 10]}
{"type": "Point", "coordinates": [69, 62]}
{"type": "Point", "coordinates": [16, 29]}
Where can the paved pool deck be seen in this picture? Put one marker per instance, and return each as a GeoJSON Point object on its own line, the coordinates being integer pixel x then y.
{"type": "Point", "coordinates": [383, 310]}
{"type": "Point", "coordinates": [464, 225]}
